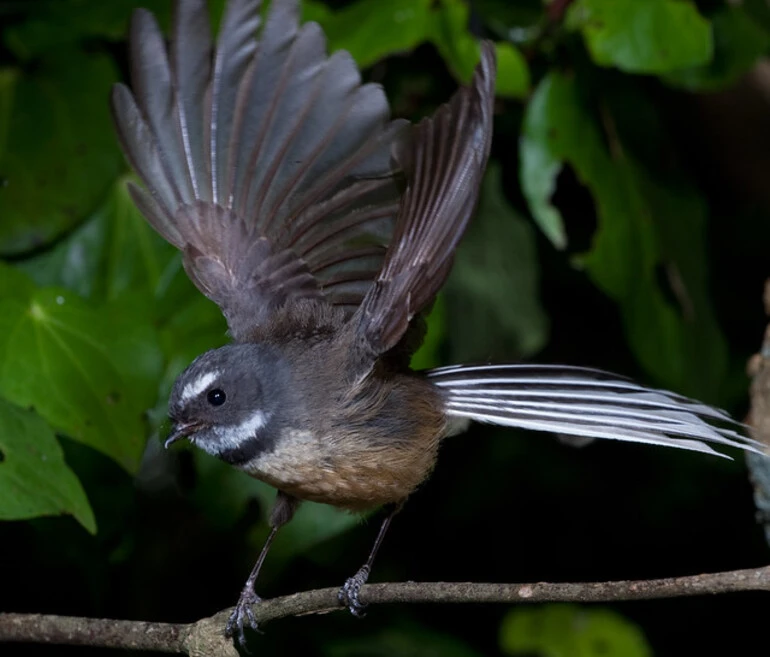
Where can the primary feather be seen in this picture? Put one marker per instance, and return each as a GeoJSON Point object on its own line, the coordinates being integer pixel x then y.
{"type": "Point", "coordinates": [264, 160]}
{"type": "Point", "coordinates": [445, 165]}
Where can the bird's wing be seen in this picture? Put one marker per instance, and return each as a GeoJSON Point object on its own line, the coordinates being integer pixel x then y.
{"type": "Point", "coordinates": [265, 161]}
{"type": "Point", "coordinates": [583, 402]}
{"type": "Point", "coordinates": [444, 163]}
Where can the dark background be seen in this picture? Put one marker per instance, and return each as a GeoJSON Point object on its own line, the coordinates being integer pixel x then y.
{"type": "Point", "coordinates": [177, 538]}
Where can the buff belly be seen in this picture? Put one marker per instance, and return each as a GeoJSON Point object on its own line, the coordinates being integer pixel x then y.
{"type": "Point", "coordinates": [346, 473]}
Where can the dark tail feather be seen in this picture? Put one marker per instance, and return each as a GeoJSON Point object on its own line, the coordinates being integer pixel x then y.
{"type": "Point", "coordinates": [584, 402]}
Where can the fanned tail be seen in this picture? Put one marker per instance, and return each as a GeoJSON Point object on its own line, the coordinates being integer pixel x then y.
{"type": "Point", "coordinates": [585, 402]}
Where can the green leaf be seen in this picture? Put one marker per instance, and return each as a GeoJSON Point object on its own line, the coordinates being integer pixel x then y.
{"type": "Point", "coordinates": [117, 253]}
{"type": "Point", "coordinates": [427, 355]}
{"type": "Point", "coordinates": [91, 373]}
{"type": "Point", "coordinates": [34, 479]}
{"type": "Point", "coordinates": [460, 50]}
{"type": "Point", "coordinates": [61, 23]}
{"type": "Point", "coordinates": [512, 72]}
{"type": "Point", "coordinates": [457, 46]}
{"type": "Point", "coordinates": [315, 10]}
{"type": "Point", "coordinates": [739, 41]}
{"type": "Point", "coordinates": [495, 279]}
{"type": "Point", "coordinates": [371, 29]}
{"type": "Point", "coordinates": [14, 285]}
{"type": "Point", "coordinates": [114, 252]}
{"type": "Point", "coordinates": [561, 630]}
{"type": "Point", "coordinates": [650, 231]}
{"type": "Point", "coordinates": [648, 36]}
{"type": "Point", "coordinates": [61, 154]}
{"type": "Point", "coordinates": [116, 259]}
{"type": "Point", "coordinates": [544, 142]}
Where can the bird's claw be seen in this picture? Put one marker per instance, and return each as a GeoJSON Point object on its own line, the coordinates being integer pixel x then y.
{"type": "Point", "coordinates": [349, 593]}
{"type": "Point", "coordinates": [243, 613]}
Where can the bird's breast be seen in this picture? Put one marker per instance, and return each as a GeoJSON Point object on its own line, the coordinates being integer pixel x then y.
{"type": "Point", "coordinates": [343, 469]}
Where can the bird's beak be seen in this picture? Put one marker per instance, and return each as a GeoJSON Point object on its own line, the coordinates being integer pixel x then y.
{"type": "Point", "coordinates": [181, 430]}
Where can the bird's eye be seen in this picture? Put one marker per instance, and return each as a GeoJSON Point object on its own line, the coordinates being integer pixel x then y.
{"type": "Point", "coordinates": [216, 397]}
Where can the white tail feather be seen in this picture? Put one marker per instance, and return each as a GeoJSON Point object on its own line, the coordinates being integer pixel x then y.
{"type": "Point", "coordinates": [588, 403]}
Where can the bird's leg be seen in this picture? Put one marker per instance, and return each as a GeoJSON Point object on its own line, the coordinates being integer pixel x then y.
{"type": "Point", "coordinates": [243, 610]}
{"type": "Point", "coordinates": [350, 590]}
{"type": "Point", "coordinates": [283, 510]}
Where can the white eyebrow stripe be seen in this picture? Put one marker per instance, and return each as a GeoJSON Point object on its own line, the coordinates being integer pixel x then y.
{"type": "Point", "coordinates": [194, 388]}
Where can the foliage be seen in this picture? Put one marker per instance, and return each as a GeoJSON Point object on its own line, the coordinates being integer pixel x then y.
{"type": "Point", "coordinates": [569, 630]}
{"type": "Point", "coordinates": [34, 479]}
{"type": "Point", "coordinates": [592, 188]}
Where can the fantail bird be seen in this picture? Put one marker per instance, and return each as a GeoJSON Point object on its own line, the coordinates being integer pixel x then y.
{"type": "Point", "coordinates": [323, 229]}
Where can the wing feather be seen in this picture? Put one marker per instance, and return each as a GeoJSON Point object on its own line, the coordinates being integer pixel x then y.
{"type": "Point", "coordinates": [445, 165]}
{"type": "Point", "coordinates": [265, 161]}
{"type": "Point", "coordinates": [191, 62]}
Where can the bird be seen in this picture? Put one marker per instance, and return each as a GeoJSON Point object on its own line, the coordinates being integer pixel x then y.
{"type": "Point", "coordinates": [323, 229]}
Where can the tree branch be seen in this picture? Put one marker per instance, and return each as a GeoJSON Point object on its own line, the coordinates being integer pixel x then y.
{"type": "Point", "coordinates": [205, 637]}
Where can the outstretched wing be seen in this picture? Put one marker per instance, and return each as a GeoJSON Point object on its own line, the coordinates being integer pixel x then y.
{"type": "Point", "coordinates": [265, 161]}
{"type": "Point", "coordinates": [444, 164]}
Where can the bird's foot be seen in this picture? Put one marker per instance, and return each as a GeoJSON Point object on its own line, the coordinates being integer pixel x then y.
{"type": "Point", "coordinates": [348, 595]}
{"type": "Point", "coordinates": [243, 613]}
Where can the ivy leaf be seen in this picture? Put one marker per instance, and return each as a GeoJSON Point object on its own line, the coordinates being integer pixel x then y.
{"type": "Point", "coordinates": [460, 50]}
{"type": "Point", "coordinates": [60, 154]}
{"type": "Point", "coordinates": [562, 630]}
{"type": "Point", "coordinates": [653, 36]}
{"type": "Point", "coordinates": [91, 373]}
{"type": "Point", "coordinates": [115, 259]}
{"type": "Point", "coordinates": [457, 46]}
{"type": "Point", "coordinates": [14, 285]}
{"type": "Point", "coordinates": [543, 145]}
{"type": "Point", "coordinates": [371, 29]}
{"type": "Point", "coordinates": [512, 72]}
{"type": "Point", "coordinates": [650, 231]}
{"type": "Point", "coordinates": [315, 10]}
{"type": "Point", "coordinates": [739, 41]}
{"type": "Point", "coordinates": [116, 251]}
{"type": "Point", "coordinates": [34, 479]}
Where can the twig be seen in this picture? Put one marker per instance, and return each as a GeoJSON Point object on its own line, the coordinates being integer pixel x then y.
{"type": "Point", "coordinates": [205, 637]}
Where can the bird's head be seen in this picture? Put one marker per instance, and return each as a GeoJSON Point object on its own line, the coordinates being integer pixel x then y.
{"type": "Point", "coordinates": [229, 401]}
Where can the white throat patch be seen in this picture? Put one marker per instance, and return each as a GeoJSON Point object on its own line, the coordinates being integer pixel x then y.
{"type": "Point", "coordinates": [196, 387]}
